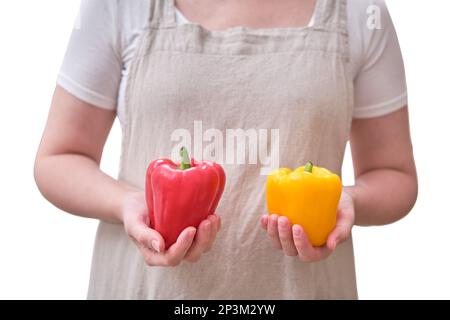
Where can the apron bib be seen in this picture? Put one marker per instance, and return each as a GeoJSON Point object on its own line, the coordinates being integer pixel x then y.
{"type": "Point", "coordinates": [294, 81]}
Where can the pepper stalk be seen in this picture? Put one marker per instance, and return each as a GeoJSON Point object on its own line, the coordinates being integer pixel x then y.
{"type": "Point", "coordinates": [309, 167]}
{"type": "Point", "coordinates": [185, 162]}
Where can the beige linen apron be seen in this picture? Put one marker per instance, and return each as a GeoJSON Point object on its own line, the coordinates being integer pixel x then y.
{"type": "Point", "coordinates": [293, 79]}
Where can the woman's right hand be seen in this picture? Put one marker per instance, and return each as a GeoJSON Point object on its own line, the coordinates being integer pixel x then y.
{"type": "Point", "coordinates": [190, 245]}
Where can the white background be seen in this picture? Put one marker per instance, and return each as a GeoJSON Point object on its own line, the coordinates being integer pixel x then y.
{"type": "Point", "coordinates": [45, 253]}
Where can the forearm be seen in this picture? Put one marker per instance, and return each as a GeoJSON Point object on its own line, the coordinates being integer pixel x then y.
{"type": "Point", "coordinates": [383, 196]}
{"type": "Point", "coordinates": [75, 184]}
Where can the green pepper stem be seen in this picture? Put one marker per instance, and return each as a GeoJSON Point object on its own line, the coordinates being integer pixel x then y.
{"type": "Point", "coordinates": [185, 162]}
{"type": "Point", "coordinates": [309, 167]}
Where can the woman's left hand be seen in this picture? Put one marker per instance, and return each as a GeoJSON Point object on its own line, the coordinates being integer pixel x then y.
{"type": "Point", "coordinates": [294, 241]}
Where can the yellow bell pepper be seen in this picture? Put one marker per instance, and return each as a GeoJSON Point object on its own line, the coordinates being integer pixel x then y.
{"type": "Point", "coordinates": [307, 196]}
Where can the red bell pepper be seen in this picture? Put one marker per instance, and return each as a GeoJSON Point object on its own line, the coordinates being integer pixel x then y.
{"type": "Point", "coordinates": [182, 195]}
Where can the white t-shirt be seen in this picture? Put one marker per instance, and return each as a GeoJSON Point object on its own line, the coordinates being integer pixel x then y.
{"type": "Point", "coordinates": [99, 54]}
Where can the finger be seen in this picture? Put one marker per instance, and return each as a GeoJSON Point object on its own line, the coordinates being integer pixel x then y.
{"type": "Point", "coordinates": [201, 241]}
{"type": "Point", "coordinates": [176, 253]}
{"type": "Point", "coordinates": [272, 231]}
{"type": "Point", "coordinates": [264, 221]}
{"type": "Point", "coordinates": [306, 252]}
{"type": "Point", "coordinates": [151, 257]}
{"type": "Point", "coordinates": [147, 237]}
{"type": "Point", "coordinates": [286, 239]}
{"type": "Point", "coordinates": [341, 232]}
{"type": "Point", "coordinates": [302, 243]}
{"type": "Point", "coordinates": [337, 236]}
{"type": "Point", "coordinates": [215, 223]}
{"type": "Point", "coordinates": [215, 229]}
{"type": "Point", "coordinates": [215, 226]}
{"type": "Point", "coordinates": [218, 222]}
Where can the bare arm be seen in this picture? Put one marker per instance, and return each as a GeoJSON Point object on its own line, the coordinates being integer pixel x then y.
{"type": "Point", "coordinates": [385, 175]}
{"type": "Point", "coordinates": [67, 164]}
{"type": "Point", "coordinates": [67, 173]}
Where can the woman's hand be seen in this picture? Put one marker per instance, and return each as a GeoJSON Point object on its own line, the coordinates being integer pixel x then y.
{"type": "Point", "coordinates": [191, 243]}
{"type": "Point", "coordinates": [294, 241]}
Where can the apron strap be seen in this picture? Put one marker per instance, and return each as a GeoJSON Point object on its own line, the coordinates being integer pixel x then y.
{"type": "Point", "coordinates": [331, 15]}
{"type": "Point", "coordinates": [162, 13]}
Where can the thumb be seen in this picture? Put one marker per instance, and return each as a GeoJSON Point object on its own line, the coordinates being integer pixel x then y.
{"type": "Point", "coordinates": [156, 241]}
{"type": "Point", "coordinates": [147, 237]}
{"type": "Point", "coordinates": [338, 235]}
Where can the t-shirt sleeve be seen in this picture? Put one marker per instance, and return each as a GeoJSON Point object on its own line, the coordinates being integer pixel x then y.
{"type": "Point", "coordinates": [92, 65]}
{"type": "Point", "coordinates": [380, 84]}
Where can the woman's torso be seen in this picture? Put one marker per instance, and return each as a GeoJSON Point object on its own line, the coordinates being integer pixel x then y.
{"type": "Point", "coordinates": [270, 85]}
{"type": "Point", "coordinates": [133, 16]}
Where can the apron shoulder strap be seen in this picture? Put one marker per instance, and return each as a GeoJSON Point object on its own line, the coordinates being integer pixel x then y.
{"type": "Point", "coordinates": [331, 15]}
{"type": "Point", "coordinates": [162, 13]}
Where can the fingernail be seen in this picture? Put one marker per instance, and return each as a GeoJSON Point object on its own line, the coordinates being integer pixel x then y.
{"type": "Point", "coordinates": [192, 232]}
{"type": "Point", "coordinates": [297, 231]}
{"type": "Point", "coordinates": [155, 245]}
